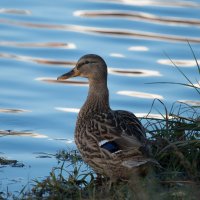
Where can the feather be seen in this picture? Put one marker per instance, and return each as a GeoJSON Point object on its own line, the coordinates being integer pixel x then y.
{"type": "Point", "coordinates": [110, 146]}
{"type": "Point", "coordinates": [112, 142]}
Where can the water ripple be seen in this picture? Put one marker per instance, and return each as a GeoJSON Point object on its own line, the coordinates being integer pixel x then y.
{"type": "Point", "coordinates": [15, 11]}
{"type": "Point", "coordinates": [168, 3]}
{"type": "Point", "coordinates": [69, 82]}
{"type": "Point", "coordinates": [115, 71]}
{"type": "Point", "coordinates": [117, 55]}
{"type": "Point", "coordinates": [179, 63]}
{"type": "Point", "coordinates": [21, 133]}
{"type": "Point", "coordinates": [138, 48]}
{"type": "Point", "coordinates": [135, 72]}
{"type": "Point", "coordinates": [140, 115]}
{"type": "Point", "coordinates": [38, 45]}
{"type": "Point", "coordinates": [151, 116]}
{"type": "Point", "coordinates": [191, 103]}
{"type": "Point", "coordinates": [71, 110]}
{"type": "Point", "coordinates": [104, 31]}
{"type": "Point", "coordinates": [11, 110]}
{"type": "Point", "coordinates": [197, 84]}
{"type": "Point", "coordinates": [36, 60]}
{"type": "Point", "coordinates": [140, 94]}
{"type": "Point", "coordinates": [124, 14]}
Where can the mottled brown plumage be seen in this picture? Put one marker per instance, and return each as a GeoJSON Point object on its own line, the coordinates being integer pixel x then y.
{"type": "Point", "coordinates": [112, 142]}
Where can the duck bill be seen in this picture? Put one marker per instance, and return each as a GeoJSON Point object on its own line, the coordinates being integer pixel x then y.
{"type": "Point", "coordinates": [68, 75]}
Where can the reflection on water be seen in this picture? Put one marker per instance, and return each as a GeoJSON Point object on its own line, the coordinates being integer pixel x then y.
{"type": "Point", "coordinates": [21, 133]}
{"type": "Point", "coordinates": [197, 84]}
{"type": "Point", "coordinates": [191, 103]}
{"type": "Point", "coordinates": [66, 140]}
{"type": "Point", "coordinates": [71, 82]}
{"type": "Point", "coordinates": [140, 94]}
{"type": "Point", "coordinates": [134, 34]}
{"type": "Point", "coordinates": [130, 34]}
{"type": "Point", "coordinates": [150, 116]}
{"type": "Point", "coordinates": [41, 44]}
{"type": "Point", "coordinates": [138, 16]}
{"type": "Point", "coordinates": [104, 31]}
{"type": "Point", "coordinates": [135, 72]}
{"type": "Point", "coordinates": [15, 11]}
{"type": "Point", "coordinates": [174, 3]}
{"type": "Point", "coordinates": [43, 155]}
{"type": "Point", "coordinates": [35, 60]}
{"type": "Point", "coordinates": [71, 110]}
{"type": "Point", "coordinates": [116, 71]}
{"type": "Point", "coordinates": [117, 55]}
{"type": "Point", "coordinates": [10, 110]}
{"type": "Point", "coordinates": [179, 63]}
{"type": "Point", "coordinates": [30, 134]}
{"type": "Point", "coordinates": [140, 115]}
{"type": "Point", "coordinates": [138, 48]}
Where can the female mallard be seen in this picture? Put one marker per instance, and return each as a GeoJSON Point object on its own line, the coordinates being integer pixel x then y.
{"type": "Point", "coordinates": [112, 142]}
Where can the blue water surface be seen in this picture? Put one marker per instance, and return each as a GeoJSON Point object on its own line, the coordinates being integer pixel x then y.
{"type": "Point", "coordinates": [40, 40]}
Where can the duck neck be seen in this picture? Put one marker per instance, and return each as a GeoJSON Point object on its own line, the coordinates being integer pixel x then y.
{"type": "Point", "coordinates": [98, 97]}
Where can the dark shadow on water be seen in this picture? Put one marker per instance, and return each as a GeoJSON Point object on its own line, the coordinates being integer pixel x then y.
{"type": "Point", "coordinates": [8, 162]}
{"type": "Point", "coordinates": [44, 155]}
{"type": "Point", "coordinates": [4, 161]}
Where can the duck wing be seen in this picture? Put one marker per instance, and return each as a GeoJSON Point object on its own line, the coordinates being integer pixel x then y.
{"type": "Point", "coordinates": [130, 124]}
{"type": "Point", "coordinates": [119, 131]}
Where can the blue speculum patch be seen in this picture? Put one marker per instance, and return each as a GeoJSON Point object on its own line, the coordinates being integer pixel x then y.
{"type": "Point", "coordinates": [110, 146]}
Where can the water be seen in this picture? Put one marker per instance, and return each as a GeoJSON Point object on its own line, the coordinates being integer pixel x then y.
{"type": "Point", "coordinates": [40, 40]}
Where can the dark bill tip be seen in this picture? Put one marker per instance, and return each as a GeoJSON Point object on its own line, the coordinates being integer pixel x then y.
{"type": "Point", "coordinates": [66, 75]}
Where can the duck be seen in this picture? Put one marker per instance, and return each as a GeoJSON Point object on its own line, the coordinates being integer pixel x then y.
{"type": "Point", "coordinates": [112, 142]}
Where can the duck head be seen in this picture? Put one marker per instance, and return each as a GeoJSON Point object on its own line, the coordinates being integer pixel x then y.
{"type": "Point", "coordinates": [90, 66]}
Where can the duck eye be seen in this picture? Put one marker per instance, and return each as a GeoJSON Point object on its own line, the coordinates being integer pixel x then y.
{"type": "Point", "coordinates": [83, 63]}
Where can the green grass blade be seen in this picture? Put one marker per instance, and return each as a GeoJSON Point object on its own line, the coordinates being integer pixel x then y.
{"type": "Point", "coordinates": [175, 83]}
{"type": "Point", "coordinates": [194, 56]}
{"type": "Point", "coordinates": [182, 72]}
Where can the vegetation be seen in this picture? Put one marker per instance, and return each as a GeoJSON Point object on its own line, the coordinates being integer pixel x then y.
{"type": "Point", "coordinates": [174, 138]}
{"type": "Point", "coordinates": [175, 141]}
{"type": "Point", "coordinates": [175, 145]}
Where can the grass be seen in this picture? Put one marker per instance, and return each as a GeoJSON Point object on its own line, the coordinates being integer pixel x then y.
{"type": "Point", "coordinates": [71, 179]}
{"type": "Point", "coordinates": [175, 144]}
{"type": "Point", "coordinates": [175, 140]}
{"type": "Point", "coordinates": [175, 137]}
